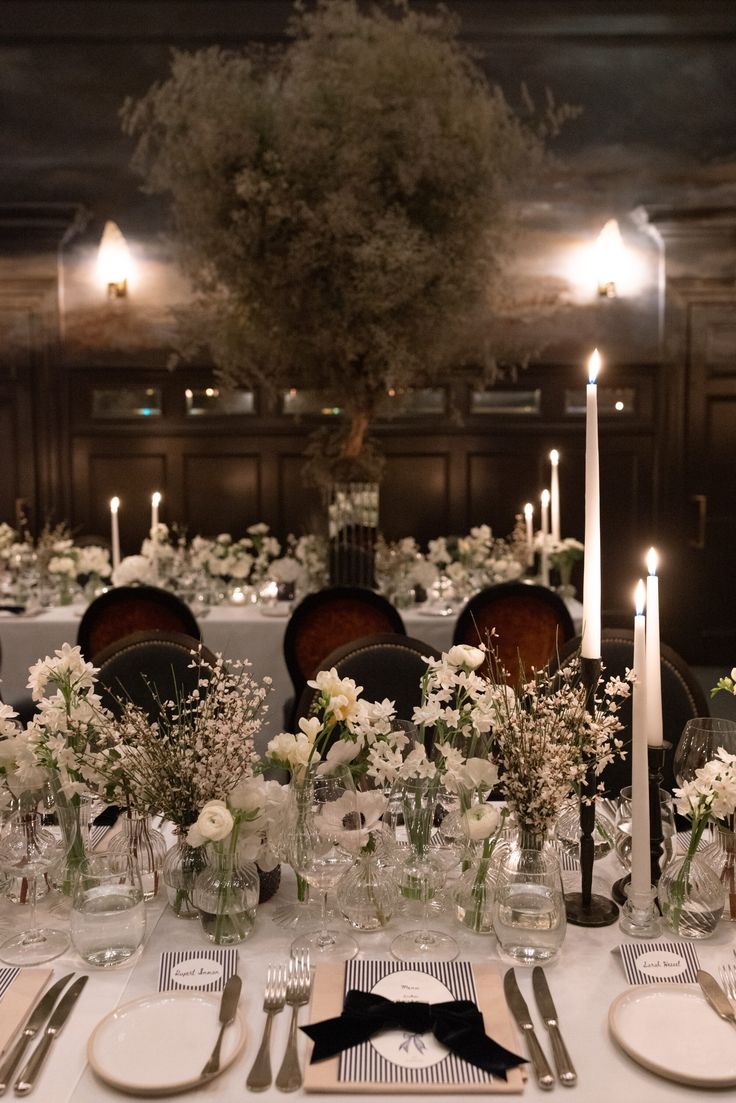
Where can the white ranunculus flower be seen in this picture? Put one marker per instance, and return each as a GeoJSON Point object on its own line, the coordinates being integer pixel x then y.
{"type": "Point", "coordinates": [215, 821]}
{"type": "Point", "coordinates": [248, 796]}
{"type": "Point", "coordinates": [479, 773]}
{"type": "Point", "coordinates": [285, 569]}
{"type": "Point", "coordinates": [132, 569]}
{"type": "Point", "coordinates": [467, 656]}
{"type": "Point", "coordinates": [481, 821]}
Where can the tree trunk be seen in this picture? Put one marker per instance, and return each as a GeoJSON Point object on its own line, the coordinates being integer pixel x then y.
{"type": "Point", "coordinates": [355, 438]}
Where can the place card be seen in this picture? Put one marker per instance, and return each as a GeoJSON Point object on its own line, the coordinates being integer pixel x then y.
{"type": "Point", "coordinates": [396, 1060]}
{"type": "Point", "coordinates": [654, 962]}
{"type": "Point", "coordinates": [200, 970]}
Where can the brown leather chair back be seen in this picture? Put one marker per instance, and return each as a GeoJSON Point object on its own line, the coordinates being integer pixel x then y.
{"type": "Point", "coordinates": [127, 609]}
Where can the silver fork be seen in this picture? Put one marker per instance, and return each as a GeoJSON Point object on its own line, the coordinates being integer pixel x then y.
{"type": "Point", "coordinates": [728, 980]}
{"type": "Point", "coordinates": [298, 986]}
{"type": "Point", "coordinates": [274, 998]}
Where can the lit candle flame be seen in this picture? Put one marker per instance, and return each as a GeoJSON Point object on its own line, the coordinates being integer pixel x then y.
{"type": "Point", "coordinates": [594, 366]}
{"type": "Point", "coordinates": [156, 499]}
{"type": "Point", "coordinates": [528, 511]}
{"type": "Point", "coordinates": [114, 505]}
{"type": "Point", "coordinates": [652, 561]}
{"type": "Point", "coordinates": [640, 597]}
{"type": "Point", "coordinates": [554, 457]}
{"type": "Point", "coordinates": [545, 497]}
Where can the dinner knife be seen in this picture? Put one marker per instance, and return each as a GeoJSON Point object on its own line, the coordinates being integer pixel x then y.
{"type": "Point", "coordinates": [520, 1011]}
{"type": "Point", "coordinates": [27, 1079]}
{"type": "Point", "coordinates": [565, 1068]}
{"type": "Point", "coordinates": [228, 1011]}
{"type": "Point", "coordinates": [35, 1021]}
{"type": "Point", "coordinates": [716, 997]}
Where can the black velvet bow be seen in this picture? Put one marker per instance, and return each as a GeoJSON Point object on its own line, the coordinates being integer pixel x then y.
{"type": "Point", "coordinates": [458, 1024]}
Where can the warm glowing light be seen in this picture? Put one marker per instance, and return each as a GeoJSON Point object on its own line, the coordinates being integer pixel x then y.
{"type": "Point", "coordinates": [156, 499]}
{"type": "Point", "coordinates": [545, 498]}
{"type": "Point", "coordinates": [610, 259]}
{"type": "Point", "coordinates": [594, 366]}
{"type": "Point", "coordinates": [554, 457]}
{"type": "Point", "coordinates": [188, 393]}
{"type": "Point", "coordinates": [652, 561]}
{"type": "Point", "coordinates": [528, 511]}
{"type": "Point", "coordinates": [619, 405]}
{"type": "Point", "coordinates": [640, 597]}
{"type": "Point", "coordinates": [113, 261]}
{"type": "Point", "coordinates": [114, 505]}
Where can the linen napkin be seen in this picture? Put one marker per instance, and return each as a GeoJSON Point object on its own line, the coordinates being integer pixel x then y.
{"type": "Point", "coordinates": [19, 990]}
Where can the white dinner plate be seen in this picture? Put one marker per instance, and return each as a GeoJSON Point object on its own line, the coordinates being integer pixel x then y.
{"type": "Point", "coordinates": [158, 1045]}
{"type": "Point", "coordinates": [672, 1030]}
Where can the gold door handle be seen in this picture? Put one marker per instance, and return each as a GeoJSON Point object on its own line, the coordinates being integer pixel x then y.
{"type": "Point", "coordinates": [700, 501]}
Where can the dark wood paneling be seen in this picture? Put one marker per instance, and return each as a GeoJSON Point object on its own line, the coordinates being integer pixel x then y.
{"type": "Point", "coordinates": [298, 508]}
{"type": "Point", "coordinates": [226, 485]}
{"type": "Point", "coordinates": [499, 483]}
{"type": "Point", "coordinates": [415, 495]}
{"type": "Point", "coordinates": [103, 472]}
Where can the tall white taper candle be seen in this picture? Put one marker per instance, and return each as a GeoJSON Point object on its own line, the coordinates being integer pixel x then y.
{"type": "Point", "coordinates": [653, 669]}
{"type": "Point", "coordinates": [529, 518]}
{"type": "Point", "coordinates": [591, 645]}
{"type": "Point", "coordinates": [115, 531]}
{"type": "Point", "coordinates": [155, 503]}
{"type": "Point", "coordinates": [641, 877]}
{"type": "Point", "coordinates": [554, 485]}
{"type": "Point", "coordinates": [545, 538]}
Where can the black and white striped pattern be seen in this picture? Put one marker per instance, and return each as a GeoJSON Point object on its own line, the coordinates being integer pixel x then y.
{"type": "Point", "coordinates": [227, 958]}
{"type": "Point", "coordinates": [683, 841]}
{"type": "Point", "coordinates": [632, 952]}
{"type": "Point", "coordinates": [97, 834]}
{"type": "Point", "coordinates": [7, 976]}
{"type": "Point", "coordinates": [364, 1064]}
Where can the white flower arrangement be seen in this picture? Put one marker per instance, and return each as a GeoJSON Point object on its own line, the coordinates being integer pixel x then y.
{"type": "Point", "coordinates": [135, 569]}
{"type": "Point", "coordinates": [94, 560]}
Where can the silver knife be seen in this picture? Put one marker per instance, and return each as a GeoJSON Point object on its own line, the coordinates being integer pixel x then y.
{"type": "Point", "coordinates": [35, 1021]}
{"type": "Point", "coordinates": [716, 997]}
{"type": "Point", "coordinates": [520, 1011]}
{"type": "Point", "coordinates": [27, 1079]}
{"type": "Point", "coordinates": [565, 1069]}
{"type": "Point", "coordinates": [228, 1011]}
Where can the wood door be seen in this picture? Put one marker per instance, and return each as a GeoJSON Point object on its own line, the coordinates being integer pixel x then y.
{"type": "Point", "coordinates": [710, 480]}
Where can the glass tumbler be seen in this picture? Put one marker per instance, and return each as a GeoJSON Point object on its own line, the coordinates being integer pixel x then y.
{"type": "Point", "coordinates": [623, 828]}
{"type": "Point", "coordinates": [108, 919]}
{"type": "Point", "coordinates": [529, 907]}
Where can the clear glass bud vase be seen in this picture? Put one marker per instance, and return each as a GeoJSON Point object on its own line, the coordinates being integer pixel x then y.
{"type": "Point", "coordinates": [691, 897]}
{"type": "Point", "coordinates": [145, 845]}
{"type": "Point", "coordinates": [368, 895]}
{"type": "Point", "coordinates": [476, 889]}
{"type": "Point", "coordinates": [226, 894]}
{"type": "Point", "coordinates": [720, 854]}
{"type": "Point", "coordinates": [181, 866]}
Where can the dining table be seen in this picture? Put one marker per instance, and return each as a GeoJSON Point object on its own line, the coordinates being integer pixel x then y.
{"type": "Point", "coordinates": [253, 632]}
{"type": "Point", "coordinates": [585, 980]}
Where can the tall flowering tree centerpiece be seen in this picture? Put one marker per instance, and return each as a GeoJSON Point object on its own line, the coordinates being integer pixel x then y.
{"type": "Point", "coordinates": [65, 737]}
{"type": "Point", "coordinates": [347, 219]}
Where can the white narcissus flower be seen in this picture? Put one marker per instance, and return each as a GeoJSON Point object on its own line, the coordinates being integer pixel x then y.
{"type": "Point", "coordinates": [481, 821]}
{"type": "Point", "coordinates": [214, 823]}
{"type": "Point", "coordinates": [466, 656]}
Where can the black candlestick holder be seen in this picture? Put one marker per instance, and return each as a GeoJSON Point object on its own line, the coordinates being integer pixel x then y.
{"type": "Point", "coordinates": [655, 759]}
{"type": "Point", "coordinates": [584, 908]}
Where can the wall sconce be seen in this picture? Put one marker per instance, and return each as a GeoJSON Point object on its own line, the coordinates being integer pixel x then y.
{"type": "Point", "coordinates": [113, 261]}
{"type": "Point", "coordinates": [610, 259]}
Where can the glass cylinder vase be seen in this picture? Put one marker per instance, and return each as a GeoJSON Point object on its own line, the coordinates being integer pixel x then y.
{"type": "Point", "coordinates": [476, 889]}
{"type": "Point", "coordinates": [691, 897]}
{"type": "Point", "coordinates": [180, 868]}
{"type": "Point", "coordinates": [73, 817]}
{"type": "Point", "coordinates": [529, 906]}
{"type": "Point", "coordinates": [145, 845]}
{"type": "Point", "coordinates": [226, 894]}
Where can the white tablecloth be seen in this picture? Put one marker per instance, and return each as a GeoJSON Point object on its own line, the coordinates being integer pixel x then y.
{"type": "Point", "coordinates": [584, 981]}
{"type": "Point", "coordinates": [238, 632]}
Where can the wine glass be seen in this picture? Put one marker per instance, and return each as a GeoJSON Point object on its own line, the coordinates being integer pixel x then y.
{"type": "Point", "coordinates": [422, 876]}
{"type": "Point", "coordinates": [701, 737]}
{"type": "Point", "coordinates": [321, 850]}
{"type": "Point", "coordinates": [28, 850]}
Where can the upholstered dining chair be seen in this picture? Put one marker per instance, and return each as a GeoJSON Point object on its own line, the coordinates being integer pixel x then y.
{"type": "Point", "coordinates": [149, 667]}
{"type": "Point", "coordinates": [531, 625]}
{"type": "Point", "coordinates": [385, 665]}
{"type": "Point", "coordinates": [682, 699]}
{"type": "Point", "coordinates": [126, 609]}
{"type": "Point", "coordinates": [328, 619]}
